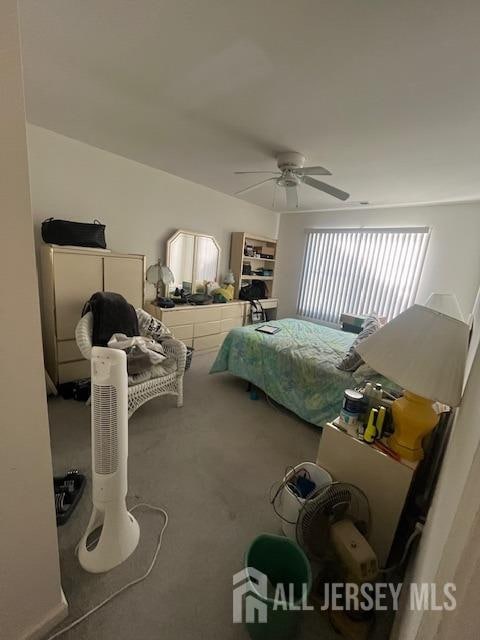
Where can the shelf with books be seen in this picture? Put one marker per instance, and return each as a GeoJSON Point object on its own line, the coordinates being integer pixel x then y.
{"type": "Point", "coordinates": [263, 252]}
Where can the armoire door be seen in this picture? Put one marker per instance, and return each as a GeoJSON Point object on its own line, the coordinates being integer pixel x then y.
{"type": "Point", "coordinates": [77, 277]}
{"type": "Point", "coordinates": [125, 276]}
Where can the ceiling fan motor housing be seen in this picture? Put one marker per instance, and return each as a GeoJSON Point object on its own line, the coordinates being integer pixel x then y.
{"type": "Point", "coordinates": [290, 160]}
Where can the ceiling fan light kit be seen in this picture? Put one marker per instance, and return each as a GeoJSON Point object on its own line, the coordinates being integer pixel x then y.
{"type": "Point", "coordinates": [292, 173]}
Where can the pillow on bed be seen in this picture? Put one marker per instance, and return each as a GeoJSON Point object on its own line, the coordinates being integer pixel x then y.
{"type": "Point", "coordinates": [352, 360]}
{"type": "Point", "coordinates": [363, 373]}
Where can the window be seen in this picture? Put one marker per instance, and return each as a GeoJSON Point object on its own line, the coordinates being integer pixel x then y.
{"type": "Point", "coordinates": [360, 271]}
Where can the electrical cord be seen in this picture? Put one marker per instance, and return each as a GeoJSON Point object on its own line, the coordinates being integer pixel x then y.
{"type": "Point", "coordinates": [416, 533]}
{"type": "Point", "coordinates": [288, 478]}
{"type": "Point", "coordinates": [129, 584]}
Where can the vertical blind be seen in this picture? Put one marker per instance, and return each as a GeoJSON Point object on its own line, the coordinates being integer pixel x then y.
{"type": "Point", "coordinates": [360, 271]}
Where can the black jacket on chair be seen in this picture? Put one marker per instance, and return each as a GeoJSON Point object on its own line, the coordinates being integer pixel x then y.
{"type": "Point", "coordinates": [111, 314]}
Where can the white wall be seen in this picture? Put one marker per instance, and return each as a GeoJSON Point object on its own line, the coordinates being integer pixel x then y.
{"type": "Point", "coordinates": [141, 206]}
{"type": "Point", "coordinates": [30, 591]}
{"type": "Point", "coordinates": [453, 257]}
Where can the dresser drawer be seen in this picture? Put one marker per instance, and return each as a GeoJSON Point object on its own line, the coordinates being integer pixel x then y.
{"type": "Point", "coordinates": [207, 342]}
{"type": "Point", "coordinates": [234, 310]}
{"type": "Point", "coordinates": [207, 314]}
{"type": "Point", "coordinates": [176, 318]}
{"type": "Point", "coordinates": [183, 331]}
{"type": "Point", "coordinates": [73, 371]}
{"type": "Point", "coordinates": [191, 316]}
{"type": "Point", "coordinates": [206, 328]}
{"type": "Point", "coordinates": [67, 351]}
{"type": "Point", "coordinates": [230, 323]}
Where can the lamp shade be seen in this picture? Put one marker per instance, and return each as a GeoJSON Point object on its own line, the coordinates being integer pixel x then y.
{"type": "Point", "coordinates": [423, 351]}
{"type": "Point", "coordinates": [229, 278]}
{"type": "Point", "coordinates": [446, 303]}
{"type": "Point", "coordinates": [166, 275]}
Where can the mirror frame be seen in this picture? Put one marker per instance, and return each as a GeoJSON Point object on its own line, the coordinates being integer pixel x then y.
{"type": "Point", "coordinates": [195, 234]}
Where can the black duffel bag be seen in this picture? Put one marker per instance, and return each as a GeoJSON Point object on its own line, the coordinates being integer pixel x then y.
{"type": "Point", "coordinates": [257, 290]}
{"type": "Point", "coordinates": [76, 234]}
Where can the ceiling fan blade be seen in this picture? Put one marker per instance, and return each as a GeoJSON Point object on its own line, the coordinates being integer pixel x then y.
{"type": "Point", "coordinates": [313, 171]}
{"type": "Point", "coordinates": [253, 186]}
{"type": "Point", "coordinates": [323, 186]}
{"type": "Point", "coordinates": [292, 197]}
{"type": "Point", "coordinates": [273, 173]}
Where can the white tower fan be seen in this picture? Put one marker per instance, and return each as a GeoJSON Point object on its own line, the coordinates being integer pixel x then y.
{"type": "Point", "coordinates": [118, 530]}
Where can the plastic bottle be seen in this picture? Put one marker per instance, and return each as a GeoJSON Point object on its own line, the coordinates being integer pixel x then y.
{"type": "Point", "coordinates": [371, 430]}
{"type": "Point", "coordinates": [378, 392]}
{"type": "Point", "coordinates": [380, 420]}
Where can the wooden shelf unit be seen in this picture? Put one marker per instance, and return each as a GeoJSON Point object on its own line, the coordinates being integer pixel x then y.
{"type": "Point", "coordinates": [238, 259]}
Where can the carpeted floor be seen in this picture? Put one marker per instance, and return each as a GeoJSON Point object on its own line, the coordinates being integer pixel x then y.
{"type": "Point", "coordinates": [210, 464]}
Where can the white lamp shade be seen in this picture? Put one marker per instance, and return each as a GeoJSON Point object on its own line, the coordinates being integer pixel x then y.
{"type": "Point", "coordinates": [446, 303]}
{"type": "Point", "coordinates": [230, 278]}
{"type": "Point", "coordinates": [423, 351]}
{"type": "Point", "coordinates": [166, 275]}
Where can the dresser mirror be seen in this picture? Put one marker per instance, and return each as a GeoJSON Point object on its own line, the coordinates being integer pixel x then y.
{"type": "Point", "coordinates": [193, 259]}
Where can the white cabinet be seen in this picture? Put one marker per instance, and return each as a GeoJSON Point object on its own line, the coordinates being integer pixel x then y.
{"type": "Point", "coordinates": [384, 480]}
{"type": "Point", "coordinates": [69, 277]}
{"type": "Point", "coordinates": [75, 278]}
{"type": "Point", "coordinates": [125, 276]}
{"type": "Point", "coordinates": [205, 327]}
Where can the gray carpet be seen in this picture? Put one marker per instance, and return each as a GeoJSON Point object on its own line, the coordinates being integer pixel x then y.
{"type": "Point", "coordinates": [210, 465]}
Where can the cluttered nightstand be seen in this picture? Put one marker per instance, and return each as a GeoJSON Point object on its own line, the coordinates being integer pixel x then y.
{"type": "Point", "coordinates": [383, 477]}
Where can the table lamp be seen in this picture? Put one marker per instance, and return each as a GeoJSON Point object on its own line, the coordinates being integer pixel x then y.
{"type": "Point", "coordinates": [423, 351]}
{"type": "Point", "coordinates": [159, 273]}
{"type": "Point", "coordinates": [229, 278]}
{"type": "Point", "coordinates": [446, 303]}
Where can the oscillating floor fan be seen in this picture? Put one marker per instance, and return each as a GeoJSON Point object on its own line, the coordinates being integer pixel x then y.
{"type": "Point", "coordinates": [112, 533]}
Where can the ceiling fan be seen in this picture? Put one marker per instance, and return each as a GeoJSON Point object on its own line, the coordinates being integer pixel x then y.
{"type": "Point", "coordinates": [291, 174]}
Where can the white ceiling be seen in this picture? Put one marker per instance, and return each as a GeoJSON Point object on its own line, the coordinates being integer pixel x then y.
{"type": "Point", "coordinates": [385, 93]}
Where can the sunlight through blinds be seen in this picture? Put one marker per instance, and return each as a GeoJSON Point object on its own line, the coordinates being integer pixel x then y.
{"type": "Point", "coordinates": [360, 271]}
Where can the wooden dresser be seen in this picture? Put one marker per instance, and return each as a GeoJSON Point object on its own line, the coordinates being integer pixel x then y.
{"type": "Point", "coordinates": [205, 327]}
{"type": "Point", "coordinates": [69, 276]}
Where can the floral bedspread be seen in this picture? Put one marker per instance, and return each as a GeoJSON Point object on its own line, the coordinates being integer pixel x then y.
{"type": "Point", "coordinates": [295, 367]}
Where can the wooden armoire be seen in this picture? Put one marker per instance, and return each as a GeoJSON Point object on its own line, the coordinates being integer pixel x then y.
{"type": "Point", "coordinates": [69, 276]}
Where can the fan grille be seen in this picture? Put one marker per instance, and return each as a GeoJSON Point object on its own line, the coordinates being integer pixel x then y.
{"type": "Point", "coordinates": [106, 431]}
{"type": "Point", "coordinates": [331, 504]}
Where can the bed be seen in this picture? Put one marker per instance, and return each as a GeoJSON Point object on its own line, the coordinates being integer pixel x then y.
{"type": "Point", "coordinates": [296, 367]}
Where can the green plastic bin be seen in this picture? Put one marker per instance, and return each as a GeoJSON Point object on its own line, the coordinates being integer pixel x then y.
{"type": "Point", "coordinates": [283, 562]}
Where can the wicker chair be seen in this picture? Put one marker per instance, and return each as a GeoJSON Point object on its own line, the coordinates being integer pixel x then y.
{"type": "Point", "coordinates": [138, 394]}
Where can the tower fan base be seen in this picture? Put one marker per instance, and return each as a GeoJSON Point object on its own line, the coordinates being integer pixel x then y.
{"type": "Point", "coordinates": [119, 534]}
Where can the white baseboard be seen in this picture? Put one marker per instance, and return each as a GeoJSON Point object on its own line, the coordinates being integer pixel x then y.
{"type": "Point", "coordinates": [54, 617]}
